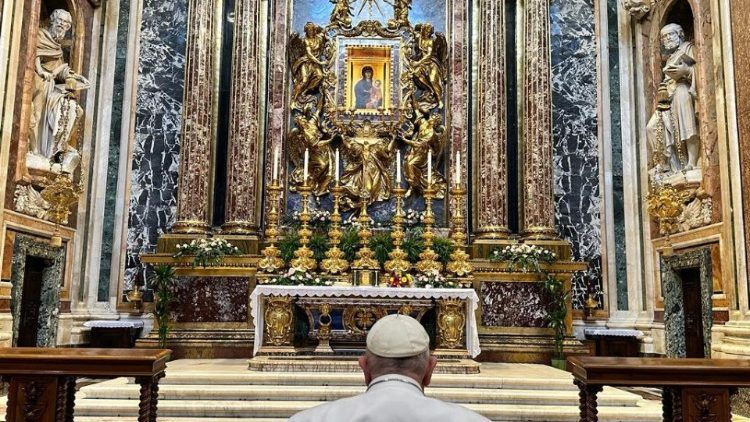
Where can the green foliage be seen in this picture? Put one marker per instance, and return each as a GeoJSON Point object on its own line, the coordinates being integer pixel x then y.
{"type": "Point", "coordinates": [349, 243]}
{"type": "Point", "coordinates": [413, 245]}
{"type": "Point", "coordinates": [163, 282]}
{"type": "Point", "coordinates": [556, 298]}
{"type": "Point", "coordinates": [443, 247]}
{"type": "Point", "coordinates": [319, 245]}
{"type": "Point", "coordinates": [207, 252]}
{"type": "Point", "coordinates": [287, 245]}
{"type": "Point", "coordinates": [381, 244]}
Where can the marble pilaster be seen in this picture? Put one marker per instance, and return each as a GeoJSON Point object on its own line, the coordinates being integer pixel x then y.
{"type": "Point", "coordinates": [538, 204]}
{"type": "Point", "coordinates": [194, 193]}
{"type": "Point", "coordinates": [243, 174]}
{"type": "Point", "coordinates": [491, 135]}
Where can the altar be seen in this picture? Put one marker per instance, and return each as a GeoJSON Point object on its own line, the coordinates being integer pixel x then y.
{"type": "Point", "coordinates": [332, 320]}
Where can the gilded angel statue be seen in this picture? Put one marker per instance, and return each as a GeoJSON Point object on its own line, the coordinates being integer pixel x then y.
{"type": "Point", "coordinates": [429, 68]}
{"type": "Point", "coordinates": [342, 13]}
{"type": "Point", "coordinates": [400, 13]}
{"type": "Point", "coordinates": [308, 69]}
{"type": "Point", "coordinates": [429, 135]}
{"type": "Point", "coordinates": [307, 135]}
{"type": "Point", "coordinates": [368, 157]}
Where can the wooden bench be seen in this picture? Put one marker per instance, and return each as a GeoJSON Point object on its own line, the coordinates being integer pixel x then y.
{"type": "Point", "coordinates": [42, 381]}
{"type": "Point", "coordinates": [693, 389]}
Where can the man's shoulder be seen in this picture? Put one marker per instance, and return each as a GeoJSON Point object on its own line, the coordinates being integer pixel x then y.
{"type": "Point", "coordinates": [321, 411]}
{"type": "Point", "coordinates": [467, 415]}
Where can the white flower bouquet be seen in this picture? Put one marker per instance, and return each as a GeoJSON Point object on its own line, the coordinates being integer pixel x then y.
{"type": "Point", "coordinates": [207, 251]}
{"type": "Point", "coordinates": [523, 256]}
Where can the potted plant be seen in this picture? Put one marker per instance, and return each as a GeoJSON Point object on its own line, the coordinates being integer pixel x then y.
{"type": "Point", "coordinates": [162, 282]}
{"type": "Point", "coordinates": [556, 298]}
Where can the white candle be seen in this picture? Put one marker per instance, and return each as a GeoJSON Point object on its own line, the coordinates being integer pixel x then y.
{"type": "Point", "coordinates": [458, 168]}
{"type": "Point", "coordinates": [398, 167]}
{"type": "Point", "coordinates": [429, 167]}
{"type": "Point", "coordinates": [304, 171]}
{"type": "Point", "coordinates": [276, 164]}
{"type": "Point", "coordinates": [337, 164]}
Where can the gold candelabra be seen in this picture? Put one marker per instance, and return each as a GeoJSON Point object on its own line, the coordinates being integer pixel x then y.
{"type": "Point", "coordinates": [61, 193]}
{"type": "Point", "coordinates": [335, 261]}
{"type": "Point", "coordinates": [428, 259]}
{"type": "Point", "coordinates": [304, 257]}
{"type": "Point", "coordinates": [271, 261]}
{"type": "Point", "coordinates": [459, 261]}
{"type": "Point", "coordinates": [398, 264]}
{"type": "Point", "coordinates": [365, 256]}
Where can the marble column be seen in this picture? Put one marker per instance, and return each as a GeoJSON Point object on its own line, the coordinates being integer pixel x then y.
{"type": "Point", "coordinates": [538, 201]}
{"type": "Point", "coordinates": [491, 172]}
{"type": "Point", "coordinates": [193, 190]}
{"type": "Point", "coordinates": [243, 172]}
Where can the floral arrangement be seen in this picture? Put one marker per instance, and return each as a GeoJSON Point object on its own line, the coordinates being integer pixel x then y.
{"type": "Point", "coordinates": [353, 222]}
{"type": "Point", "coordinates": [413, 218]}
{"type": "Point", "coordinates": [434, 280]}
{"type": "Point", "coordinates": [523, 256]}
{"type": "Point", "coordinates": [299, 277]}
{"type": "Point", "coordinates": [319, 219]}
{"type": "Point", "coordinates": [400, 280]}
{"type": "Point", "coordinates": [207, 251]}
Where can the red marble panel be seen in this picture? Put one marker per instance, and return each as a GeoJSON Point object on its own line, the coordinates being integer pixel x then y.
{"type": "Point", "coordinates": [211, 299]}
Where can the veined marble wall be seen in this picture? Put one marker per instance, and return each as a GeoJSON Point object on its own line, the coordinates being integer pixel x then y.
{"type": "Point", "coordinates": [158, 119]}
{"type": "Point", "coordinates": [576, 148]}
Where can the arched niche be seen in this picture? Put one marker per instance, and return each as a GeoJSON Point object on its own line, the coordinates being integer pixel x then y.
{"type": "Point", "coordinates": [75, 38]}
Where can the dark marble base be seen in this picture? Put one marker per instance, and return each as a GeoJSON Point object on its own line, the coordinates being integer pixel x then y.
{"type": "Point", "coordinates": [512, 305]}
{"type": "Point", "coordinates": [211, 299]}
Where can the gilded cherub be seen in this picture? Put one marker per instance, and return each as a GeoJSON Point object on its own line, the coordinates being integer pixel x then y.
{"type": "Point", "coordinates": [308, 69]}
{"type": "Point", "coordinates": [307, 135]}
{"type": "Point", "coordinates": [430, 65]}
{"type": "Point", "coordinates": [400, 14]}
{"type": "Point", "coordinates": [429, 135]}
{"type": "Point", "coordinates": [342, 13]}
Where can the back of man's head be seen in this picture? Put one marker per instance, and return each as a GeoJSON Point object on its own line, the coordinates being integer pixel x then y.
{"type": "Point", "coordinates": [398, 344]}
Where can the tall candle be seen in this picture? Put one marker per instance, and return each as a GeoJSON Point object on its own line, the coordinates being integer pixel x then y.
{"type": "Point", "coordinates": [276, 164]}
{"type": "Point", "coordinates": [429, 167]}
{"type": "Point", "coordinates": [398, 167]}
{"type": "Point", "coordinates": [458, 169]}
{"type": "Point", "coordinates": [304, 171]}
{"type": "Point", "coordinates": [337, 164]}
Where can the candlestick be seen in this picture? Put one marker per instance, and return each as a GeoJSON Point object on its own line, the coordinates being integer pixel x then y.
{"type": "Point", "coordinates": [398, 263]}
{"type": "Point", "coordinates": [335, 261]}
{"type": "Point", "coordinates": [304, 256]}
{"type": "Point", "coordinates": [457, 178]}
{"type": "Point", "coordinates": [365, 256]}
{"type": "Point", "coordinates": [428, 259]}
{"type": "Point", "coordinates": [271, 261]}
{"type": "Point", "coordinates": [304, 172]}
{"type": "Point", "coordinates": [276, 163]}
{"type": "Point", "coordinates": [429, 166]}
{"type": "Point", "coordinates": [459, 260]}
{"type": "Point", "coordinates": [337, 165]}
{"type": "Point", "coordinates": [398, 168]}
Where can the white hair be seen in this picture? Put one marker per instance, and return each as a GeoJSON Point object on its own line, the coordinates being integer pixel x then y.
{"type": "Point", "coordinates": [414, 365]}
{"type": "Point", "coordinates": [673, 27]}
{"type": "Point", "coordinates": [61, 14]}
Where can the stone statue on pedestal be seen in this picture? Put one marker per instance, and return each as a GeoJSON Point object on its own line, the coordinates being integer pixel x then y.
{"type": "Point", "coordinates": [55, 113]}
{"type": "Point", "coordinates": [673, 135]}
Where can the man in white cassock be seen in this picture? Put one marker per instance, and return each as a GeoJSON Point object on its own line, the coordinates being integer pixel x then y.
{"type": "Point", "coordinates": [397, 367]}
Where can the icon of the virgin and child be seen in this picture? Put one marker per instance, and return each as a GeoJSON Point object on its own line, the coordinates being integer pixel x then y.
{"type": "Point", "coordinates": [368, 93]}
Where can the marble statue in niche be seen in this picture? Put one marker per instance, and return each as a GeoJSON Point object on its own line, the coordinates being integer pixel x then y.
{"type": "Point", "coordinates": [55, 112]}
{"type": "Point", "coordinates": [673, 134]}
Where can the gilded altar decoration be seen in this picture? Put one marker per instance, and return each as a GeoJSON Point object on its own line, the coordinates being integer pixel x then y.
{"type": "Point", "coordinates": [61, 193]}
{"type": "Point", "coordinates": [342, 13]}
{"type": "Point", "coordinates": [400, 14]}
{"type": "Point", "coordinates": [308, 69]}
{"type": "Point", "coordinates": [324, 329]}
{"type": "Point", "coordinates": [271, 261]}
{"type": "Point", "coordinates": [304, 257]}
{"type": "Point", "coordinates": [665, 204]}
{"type": "Point", "coordinates": [429, 136]}
{"type": "Point", "coordinates": [308, 136]}
{"type": "Point", "coordinates": [367, 175]}
{"type": "Point", "coordinates": [359, 319]}
{"type": "Point", "coordinates": [365, 256]}
{"type": "Point", "coordinates": [673, 134]}
{"type": "Point", "coordinates": [335, 261]}
{"type": "Point", "coordinates": [55, 112]}
{"type": "Point", "coordinates": [397, 263]}
{"type": "Point", "coordinates": [430, 66]}
{"type": "Point", "coordinates": [428, 259]}
{"type": "Point", "coordinates": [278, 321]}
{"type": "Point", "coordinates": [459, 262]}
{"type": "Point", "coordinates": [450, 321]}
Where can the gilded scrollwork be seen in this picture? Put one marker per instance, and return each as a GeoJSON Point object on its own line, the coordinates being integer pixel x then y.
{"type": "Point", "coordinates": [278, 321]}
{"type": "Point", "coordinates": [451, 321]}
{"type": "Point", "coordinates": [400, 14]}
{"type": "Point", "coordinates": [342, 13]}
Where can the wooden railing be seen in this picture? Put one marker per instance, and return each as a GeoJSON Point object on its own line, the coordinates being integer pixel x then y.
{"type": "Point", "coordinates": [694, 390]}
{"type": "Point", "coordinates": [42, 381]}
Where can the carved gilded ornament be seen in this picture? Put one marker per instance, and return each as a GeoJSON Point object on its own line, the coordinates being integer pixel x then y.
{"type": "Point", "coordinates": [665, 204]}
{"type": "Point", "coordinates": [392, 98]}
{"type": "Point", "coordinates": [278, 321]}
{"type": "Point", "coordinates": [451, 321]}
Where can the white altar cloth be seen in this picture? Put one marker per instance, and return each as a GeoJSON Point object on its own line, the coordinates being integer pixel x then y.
{"type": "Point", "coordinates": [472, 334]}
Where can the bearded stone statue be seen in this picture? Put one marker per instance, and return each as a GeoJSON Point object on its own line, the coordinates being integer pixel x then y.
{"type": "Point", "coordinates": [55, 113]}
{"type": "Point", "coordinates": [673, 134]}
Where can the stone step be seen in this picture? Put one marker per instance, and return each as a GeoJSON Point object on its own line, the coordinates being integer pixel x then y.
{"type": "Point", "coordinates": [121, 389]}
{"type": "Point", "coordinates": [215, 409]}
